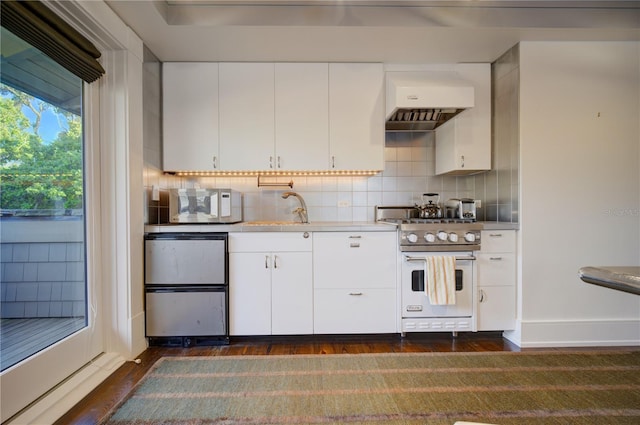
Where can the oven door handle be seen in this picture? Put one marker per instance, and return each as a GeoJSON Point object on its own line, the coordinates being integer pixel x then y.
{"type": "Point", "coordinates": [465, 258]}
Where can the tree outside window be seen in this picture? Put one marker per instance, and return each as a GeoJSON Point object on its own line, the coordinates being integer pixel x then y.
{"type": "Point", "coordinates": [39, 176]}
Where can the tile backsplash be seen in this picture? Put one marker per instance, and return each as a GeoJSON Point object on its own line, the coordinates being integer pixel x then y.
{"type": "Point", "coordinates": [409, 172]}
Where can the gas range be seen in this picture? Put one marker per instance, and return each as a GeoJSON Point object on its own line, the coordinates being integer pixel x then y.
{"type": "Point", "coordinates": [431, 234]}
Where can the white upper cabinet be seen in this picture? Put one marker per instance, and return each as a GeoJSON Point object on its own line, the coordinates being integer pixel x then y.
{"type": "Point", "coordinates": [247, 116]}
{"type": "Point", "coordinates": [301, 116]}
{"type": "Point", "coordinates": [356, 116]}
{"type": "Point", "coordinates": [463, 144]}
{"type": "Point", "coordinates": [190, 116]}
{"type": "Point", "coordinates": [273, 116]}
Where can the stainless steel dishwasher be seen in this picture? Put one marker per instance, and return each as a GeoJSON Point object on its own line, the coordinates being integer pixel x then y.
{"type": "Point", "coordinates": [186, 289]}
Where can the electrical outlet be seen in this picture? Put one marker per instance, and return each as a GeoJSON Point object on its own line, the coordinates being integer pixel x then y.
{"type": "Point", "coordinates": [343, 204]}
{"type": "Point", "coordinates": [478, 203]}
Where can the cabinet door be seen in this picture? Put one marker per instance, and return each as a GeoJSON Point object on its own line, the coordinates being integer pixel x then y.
{"type": "Point", "coordinates": [247, 116]}
{"type": "Point", "coordinates": [496, 308]}
{"type": "Point", "coordinates": [250, 293]}
{"type": "Point", "coordinates": [291, 293]}
{"type": "Point", "coordinates": [359, 259]}
{"type": "Point", "coordinates": [302, 116]}
{"type": "Point", "coordinates": [356, 116]}
{"type": "Point", "coordinates": [190, 116]}
{"type": "Point", "coordinates": [463, 144]}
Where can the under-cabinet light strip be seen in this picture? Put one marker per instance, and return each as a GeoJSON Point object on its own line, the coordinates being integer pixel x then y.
{"type": "Point", "coordinates": [273, 173]}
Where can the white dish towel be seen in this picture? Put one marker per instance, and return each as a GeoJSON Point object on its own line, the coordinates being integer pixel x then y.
{"type": "Point", "coordinates": [440, 279]}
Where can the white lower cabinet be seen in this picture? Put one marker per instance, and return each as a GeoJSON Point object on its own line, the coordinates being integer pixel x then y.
{"type": "Point", "coordinates": [354, 282]}
{"type": "Point", "coordinates": [270, 283]}
{"type": "Point", "coordinates": [355, 310]}
{"type": "Point", "coordinates": [497, 281]}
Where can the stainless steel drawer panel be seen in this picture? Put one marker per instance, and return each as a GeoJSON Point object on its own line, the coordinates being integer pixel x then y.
{"type": "Point", "coordinates": [185, 262]}
{"type": "Point", "coordinates": [186, 313]}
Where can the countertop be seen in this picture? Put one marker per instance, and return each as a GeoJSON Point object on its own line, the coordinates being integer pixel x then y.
{"type": "Point", "coordinates": [283, 226]}
{"type": "Point", "coordinates": [625, 279]}
{"type": "Point", "coordinates": [275, 226]}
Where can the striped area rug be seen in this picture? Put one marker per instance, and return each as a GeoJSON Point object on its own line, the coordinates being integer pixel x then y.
{"type": "Point", "coordinates": [550, 387]}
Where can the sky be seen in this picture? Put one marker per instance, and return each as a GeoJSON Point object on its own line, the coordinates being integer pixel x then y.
{"type": "Point", "coordinates": [49, 126]}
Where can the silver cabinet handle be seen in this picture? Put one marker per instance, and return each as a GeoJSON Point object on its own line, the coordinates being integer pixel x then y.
{"type": "Point", "coordinates": [275, 261]}
{"type": "Point", "coordinates": [481, 296]}
{"type": "Point", "coordinates": [462, 163]}
{"type": "Point", "coordinates": [495, 258]}
{"type": "Point", "coordinates": [495, 235]}
{"type": "Point", "coordinates": [266, 261]}
{"type": "Point", "coordinates": [354, 245]}
{"type": "Point", "coordinates": [279, 162]}
{"type": "Point", "coordinates": [355, 237]}
{"type": "Point", "coordinates": [333, 161]}
{"type": "Point", "coordinates": [305, 235]}
{"type": "Point", "coordinates": [215, 162]}
{"type": "Point", "coordinates": [355, 294]}
{"type": "Point", "coordinates": [270, 162]}
{"type": "Point", "coordinates": [467, 258]}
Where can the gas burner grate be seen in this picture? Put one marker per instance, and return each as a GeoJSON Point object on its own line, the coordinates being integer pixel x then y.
{"type": "Point", "coordinates": [439, 220]}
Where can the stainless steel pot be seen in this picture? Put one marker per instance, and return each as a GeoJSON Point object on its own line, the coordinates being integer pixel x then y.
{"type": "Point", "coordinates": [429, 209]}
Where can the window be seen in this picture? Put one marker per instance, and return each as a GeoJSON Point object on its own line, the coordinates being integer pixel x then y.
{"type": "Point", "coordinates": [42, 228]}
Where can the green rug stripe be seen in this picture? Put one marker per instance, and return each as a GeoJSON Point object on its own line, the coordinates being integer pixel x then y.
{"type": "Point", "coordinates": [366, 391]}
{"type": "Point", "coordinates": [395, 371]}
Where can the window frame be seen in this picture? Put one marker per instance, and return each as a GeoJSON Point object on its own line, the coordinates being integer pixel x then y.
{"type": "Point", "coordinates": [42, 371]}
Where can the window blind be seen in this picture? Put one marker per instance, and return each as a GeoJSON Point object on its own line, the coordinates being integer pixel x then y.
{"type": "Point", "coordinates": [38, 25]}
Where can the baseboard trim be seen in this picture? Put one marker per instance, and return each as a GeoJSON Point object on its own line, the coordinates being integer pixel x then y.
{"type": "Point", "coordinates": [50, 407]}
{"type": "Point", "coordinates": [575, 333]}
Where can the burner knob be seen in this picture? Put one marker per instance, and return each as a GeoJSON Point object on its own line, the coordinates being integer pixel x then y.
{"type": "Point", "coordinates": [429, 237]}
{"type": "Point", "coordinates": [453, 237]}
{"type": "Point", "coordinates": [470, 237]}
{"type": "Point", "coordinates": [442, 235]}
{"type": "Point", "coordinates": [412, 237]}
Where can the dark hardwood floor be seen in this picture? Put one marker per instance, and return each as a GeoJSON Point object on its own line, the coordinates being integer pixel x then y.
{"type": "Point", "coordinates": [99, 402]}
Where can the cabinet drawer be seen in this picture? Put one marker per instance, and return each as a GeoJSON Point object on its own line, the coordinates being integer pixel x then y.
{"type": "Point", "coordinates": [498, 269]}
{"type": "Point", "coordinates": [197, 312]}
{"type": "Point", "coordinates": [270, 241]}
{"type": "Point", "coordinates": [355, 310]}
{"type": "Point", "coordinates": [498, 241]}
{"type": "Point", "coordinates": [359, 259]}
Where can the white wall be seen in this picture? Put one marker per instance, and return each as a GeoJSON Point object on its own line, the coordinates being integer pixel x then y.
{"type": "Point", "coordinates": [580, 190]}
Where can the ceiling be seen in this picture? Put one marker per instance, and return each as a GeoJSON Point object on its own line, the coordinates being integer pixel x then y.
{"type": "Point", "coordinates": [390, 31]}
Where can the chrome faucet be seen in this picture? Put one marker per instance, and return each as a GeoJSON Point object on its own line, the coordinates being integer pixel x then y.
{"type": "Point", "coordinates": [302, 209]}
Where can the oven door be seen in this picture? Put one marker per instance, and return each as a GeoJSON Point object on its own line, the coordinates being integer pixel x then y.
{"type": "Point", "coordinates": [415, 302]}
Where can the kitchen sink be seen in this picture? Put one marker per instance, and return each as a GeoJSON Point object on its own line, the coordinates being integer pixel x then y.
{"type": "Point", "coordinates": [272, 223]}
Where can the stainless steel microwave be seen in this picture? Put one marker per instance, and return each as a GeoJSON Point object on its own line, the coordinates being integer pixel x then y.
{"type": "Point", "coordinates": [205, 206]}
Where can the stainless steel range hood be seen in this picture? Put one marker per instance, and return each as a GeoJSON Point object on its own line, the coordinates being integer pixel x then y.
{"type": "Point", "coordinates": [423, 100]}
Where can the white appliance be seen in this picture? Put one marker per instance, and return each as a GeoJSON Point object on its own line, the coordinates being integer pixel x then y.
{"type": "Point", "coordinates": [419, 238]}
{"type": "Point", "coordinates": [418, 314]}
